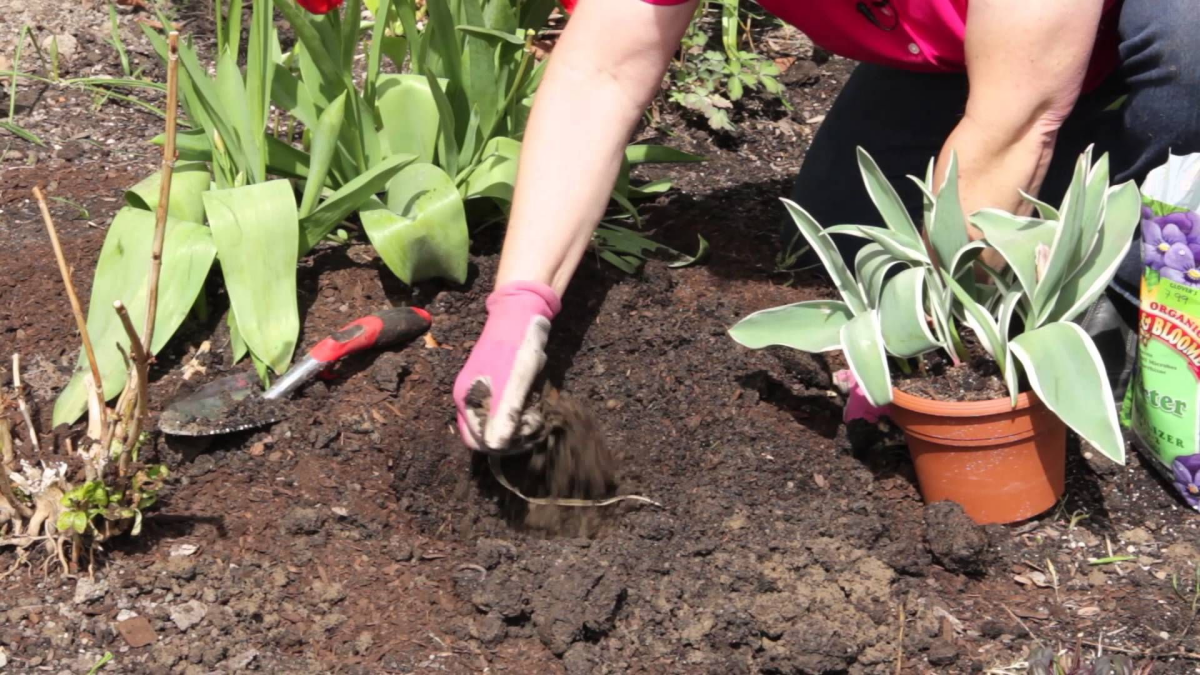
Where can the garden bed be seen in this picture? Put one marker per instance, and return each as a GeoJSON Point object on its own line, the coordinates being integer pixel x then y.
{"type": "Point", "coordinates": [358, 536]}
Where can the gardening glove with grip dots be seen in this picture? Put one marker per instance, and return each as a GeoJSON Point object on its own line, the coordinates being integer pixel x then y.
{"type": "Point", "coordinates": [858, 407]}
{"type": "Point", "coordinates": [507, 358]}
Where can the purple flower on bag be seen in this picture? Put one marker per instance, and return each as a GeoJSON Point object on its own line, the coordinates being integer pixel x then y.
{"type": "Point", "coordinates": [1186, 221]}
{"type": "Point", "coordinates": [1158, 240]}
{"type": "Point", "coordinates": [1179, 265]}
{"type": "Point", "coordinates": [1187, 478]}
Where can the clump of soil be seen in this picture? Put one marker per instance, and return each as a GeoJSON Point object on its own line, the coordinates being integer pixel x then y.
{"type": "Point", "coordinates": [976, 379]}
{"type": "Point", "coordinates": [564, 457]}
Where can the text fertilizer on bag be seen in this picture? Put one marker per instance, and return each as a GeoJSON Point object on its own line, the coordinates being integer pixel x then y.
{"type": "Point", "coordinates": [1164, 396]}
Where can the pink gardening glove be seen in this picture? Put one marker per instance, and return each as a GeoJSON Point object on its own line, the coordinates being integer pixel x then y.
{"type": "Point", "coordinates": [507, 358]}
{"type": "Point", "coordinates": [857, 405]}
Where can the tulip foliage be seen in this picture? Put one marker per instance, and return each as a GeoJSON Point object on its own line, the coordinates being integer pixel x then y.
{"type": "Point", "coordinates": [905, 299]}
{"type": "Point", "coordinates": [410, 152]}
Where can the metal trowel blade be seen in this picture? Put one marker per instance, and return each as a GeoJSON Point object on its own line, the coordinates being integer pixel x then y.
{"type": "Point", "coordinates": [225, 405]}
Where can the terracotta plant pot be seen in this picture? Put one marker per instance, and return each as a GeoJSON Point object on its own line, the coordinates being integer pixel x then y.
{"type": "Point", "coordinates": [1002, 464]}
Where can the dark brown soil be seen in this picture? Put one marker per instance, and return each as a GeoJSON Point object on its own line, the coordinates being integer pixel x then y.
{"type": "Point", "coordinates": [978, 379]}
{"type": "Point", "coordinates": [359, 536]}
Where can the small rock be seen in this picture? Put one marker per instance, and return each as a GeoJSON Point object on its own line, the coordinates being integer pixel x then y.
{"type": "Point", "coordinates": [183, 569]}
{"type": "Point", "coordinates": [183, 550]}
{"type": "Point", "coordinates": [126, 614]}
{"type": "Point", "coordinates": [137, 631]}
{"type": "Point", "coordinates": [489, 629]}
{"type": "Point", "coordinates": [302, 520]}
{"type": "Point", "coordinates": [243, 661]}
{"type": "Point", "coordinates": [992, 629]}
{"type": "Point", "coordinates": [402, 551]}
{"type": "Point", "coordinates": [955, 541]}
{"type": "Point", "coordinates": [88, 591]}
{"type": "Point", "coordinates": [67, 44]}
{"type": "Point", "coordinates": [331, 593]}
{"type": "Point", "coordinates": [942, 653]}
{"type": "Point", "coordinates": [388, 371]}
{"type": "Point", "coordinates": [581, 659]}
{"type": "Point", "coordinates": [364, 642]}
{"type": "Point", "coordinates": [1138, 535]}
{"type": "Point", "coordinates": [188, 614]}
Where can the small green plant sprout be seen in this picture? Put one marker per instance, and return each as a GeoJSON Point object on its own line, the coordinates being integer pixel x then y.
{"type": "Point", "coordinates": [709, 81]}
{"type": "Point", "coordinates": [905, 299]}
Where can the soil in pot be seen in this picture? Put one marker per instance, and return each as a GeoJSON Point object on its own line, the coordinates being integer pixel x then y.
{"type": "Point", "coordinates": [977, 379]}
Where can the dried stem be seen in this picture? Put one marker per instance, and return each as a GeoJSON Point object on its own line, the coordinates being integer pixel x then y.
{"type": "Point", "coordinates": [164, 192]}
{"type": "Point", "coordinates": [6, 453]}
{"type": "Point", "coordinates": [33, 437]}
{"type": "Point", "coordinates": [141, 367]}
{"type": "Point", "coordinates": [97, 382]}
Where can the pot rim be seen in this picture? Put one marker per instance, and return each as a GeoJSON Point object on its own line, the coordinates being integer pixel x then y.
{"type": "Point", "coordinates": [995, 406]}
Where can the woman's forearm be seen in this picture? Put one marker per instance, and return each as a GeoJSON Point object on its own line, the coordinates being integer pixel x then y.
{"type": "Point", "coordinates": [603, 73]}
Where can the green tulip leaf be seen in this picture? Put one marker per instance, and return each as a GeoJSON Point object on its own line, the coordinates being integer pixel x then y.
{"type": "Point", "coordinates": [122, 271]}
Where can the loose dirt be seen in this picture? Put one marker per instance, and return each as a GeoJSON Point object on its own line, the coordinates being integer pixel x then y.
{"type": "Point", "coordinates": [359, 536]}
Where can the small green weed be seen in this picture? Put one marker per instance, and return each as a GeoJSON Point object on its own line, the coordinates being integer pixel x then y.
{"type": "Point", "coordinates": [710, 81]}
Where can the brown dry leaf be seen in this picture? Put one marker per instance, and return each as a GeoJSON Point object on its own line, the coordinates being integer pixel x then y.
{"type": "Point", "coordinates": [1088, 611]}
{"type": "Point", "coordinates": [430, 341]}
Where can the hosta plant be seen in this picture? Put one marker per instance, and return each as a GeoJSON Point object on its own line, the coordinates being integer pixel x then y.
{"type": "Point", "coordinates": [906, 298]}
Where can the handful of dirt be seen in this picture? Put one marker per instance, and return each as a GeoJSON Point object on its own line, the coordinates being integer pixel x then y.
{"type": "Point", "coordinates": [561, 465]}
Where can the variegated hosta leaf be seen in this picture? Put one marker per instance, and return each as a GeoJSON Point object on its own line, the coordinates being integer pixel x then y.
{"type": "Point", "coordinates": [902, 319]}
{"type": "Point", "coordinates": [1096, 193]}
{"type": "Point", "coordinates": [812, 326]}
{"type": "Point", "coordinates": [1008, 307]}
{"type": "Point", "coordinates": [1011, 376]}
{"type": "Point", "coordinates": [871, 266]}
{"type": "Point", "coordinates": [893, 244]}
{"type": "Point", "coordinates": [1045, 211]}
{"type": "Point", "coordinates": [1066, 372]}
{"type": "Point", "coordinates": [1064, 247]}
{"type": "Point", "coordinates": [948, 227]}
{"type": "Point", "coordinates": [1016, 239]}
{"type": "Point", "coordinates": [862, 343]}
{"type": "Point", "coordinates": [1121, 217]}
{"type": "Point", "coordinates": [890, 207]}
{"type": "Point", "coordinates": [827, 252]}
{"type": "Point", "coordinates": [980, 321]}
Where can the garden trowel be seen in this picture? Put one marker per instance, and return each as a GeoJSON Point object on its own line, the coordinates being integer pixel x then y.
{"type": "Point", "coordinates": [233, 403]}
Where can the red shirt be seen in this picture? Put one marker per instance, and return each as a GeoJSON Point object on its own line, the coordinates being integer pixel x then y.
{"type": "Point", "coordinates": [923, 35]}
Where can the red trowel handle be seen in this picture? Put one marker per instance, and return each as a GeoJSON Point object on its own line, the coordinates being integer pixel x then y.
{"type": "Point", "coordinates": [389, 327]}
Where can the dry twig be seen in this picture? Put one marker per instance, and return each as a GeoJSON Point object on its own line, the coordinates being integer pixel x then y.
{"type": "Point", "coordinates": [33, 437]}
{"type": "Point", "coordinates": [80, 321]}
{"type": "Point", "coordinates": [137, 387]}
{"type": "Point", "coordinates": [7, 465]}
{"type": "Point", "coordinates": [164, 192]}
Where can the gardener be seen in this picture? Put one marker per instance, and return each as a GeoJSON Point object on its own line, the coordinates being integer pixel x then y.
{"type": "Point", "coordinates": [1043, 82]}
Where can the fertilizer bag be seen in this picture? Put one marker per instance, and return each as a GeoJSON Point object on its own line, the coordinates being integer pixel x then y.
{"type": "Point", "coordinates": [1163, 402]}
